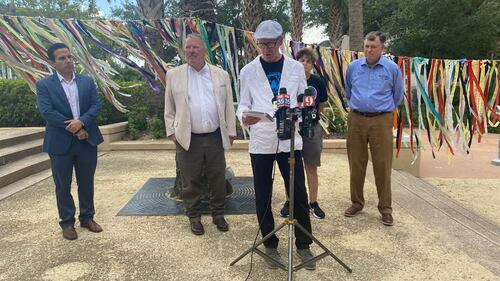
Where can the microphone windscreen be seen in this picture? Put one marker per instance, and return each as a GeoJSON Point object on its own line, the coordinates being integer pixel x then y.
{"type": "Point", "coordinates": [311, 91]}
{"type": "Point", "coordinates": [300, 98]}
{"type": "Point", "coordinates": [283, 100]}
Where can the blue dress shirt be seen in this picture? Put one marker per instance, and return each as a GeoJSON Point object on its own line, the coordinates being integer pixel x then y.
{"type": "Point", "coordinates": [378, 88]}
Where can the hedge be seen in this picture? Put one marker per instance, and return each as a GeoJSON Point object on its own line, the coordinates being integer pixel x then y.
{"type": "Point", "coordinates": [18, 108]}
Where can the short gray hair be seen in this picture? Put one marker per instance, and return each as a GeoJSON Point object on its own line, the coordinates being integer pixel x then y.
{"type": "Point", "coordinates": [372, 35]}
{"type": "Point", "coordinates": [198, 37]}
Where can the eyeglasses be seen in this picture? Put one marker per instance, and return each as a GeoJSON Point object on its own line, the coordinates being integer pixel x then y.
{"type": "Point", "coordinates": [271, 44]}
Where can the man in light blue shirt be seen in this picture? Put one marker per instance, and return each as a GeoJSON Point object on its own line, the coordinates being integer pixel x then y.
{"type": "Point", "coordinates": [374, 88]}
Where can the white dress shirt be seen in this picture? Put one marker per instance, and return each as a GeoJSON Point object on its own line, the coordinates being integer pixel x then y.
{"type": "Point", "coordinates": [256, 95]}
{"type": "Point", "coordinates": [201, 100]}
{"type": "Point", "coordinates": [71, 91]}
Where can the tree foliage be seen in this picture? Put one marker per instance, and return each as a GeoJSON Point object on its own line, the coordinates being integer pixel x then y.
{"type": "Point", "coordinates": [317, 14]}
{"type": "Point", "coordinates": [81, 9]}
{"type": "Point", "coordinates": [428, 28]}
{"type": "Point", "coordinates": [444, 29]}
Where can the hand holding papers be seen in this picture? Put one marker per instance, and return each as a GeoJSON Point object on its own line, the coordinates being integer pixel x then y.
{"type": "Point", "coordinates": [257, 117]}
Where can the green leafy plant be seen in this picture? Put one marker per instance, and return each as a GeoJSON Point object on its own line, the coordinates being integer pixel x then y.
{"type": "Point", "coordinates": [157, 127]}
{"type": "Point", "coordinates": [137, 122]}
{"type": "Point", "coordinates": [18, 105]}
{"type": "Point", "coordinates": [337, 126]}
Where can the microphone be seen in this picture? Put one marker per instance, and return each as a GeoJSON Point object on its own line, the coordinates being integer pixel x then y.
{"type": "Point", "coordinates": [283, 124]}
{"type": "Point", "coordinates": [310, 96]}
{"type": "Point", "coordinates": [300, 100]}
{"type": "Point", "coordinates": [309, 112]}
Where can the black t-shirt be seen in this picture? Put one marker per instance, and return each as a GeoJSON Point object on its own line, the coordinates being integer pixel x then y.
{"type": "Point", "coordinates": [273, 72]}
{"type": "Point", "coordinates": [319, 84]}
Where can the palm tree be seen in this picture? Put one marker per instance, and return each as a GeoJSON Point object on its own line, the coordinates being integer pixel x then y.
{"type": "Point", "coordinates": [356, 25]}
{"type": "Point", "coordinates": [297, 22]}
{"type": "Point", "coordinates": [335, 23]}
{"type": "Point", "coordinates": [251, 17]}
{"type": "Point", "coordinates": [202, 9]}
{"type": "Point", "coordinates": [152, 9]}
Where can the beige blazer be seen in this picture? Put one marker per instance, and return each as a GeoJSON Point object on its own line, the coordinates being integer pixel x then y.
{"type": "Point", "coordinates": [177, 114]}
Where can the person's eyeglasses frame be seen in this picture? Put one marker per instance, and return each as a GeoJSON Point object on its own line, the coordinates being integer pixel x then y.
{"type": "Point", "coordinates": [269, 45]}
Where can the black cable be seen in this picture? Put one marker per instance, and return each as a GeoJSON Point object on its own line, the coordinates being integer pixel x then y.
{"type": "Point", "coordinates": [267, 207]}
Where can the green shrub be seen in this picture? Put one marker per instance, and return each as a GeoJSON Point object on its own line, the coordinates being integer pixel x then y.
{"type": "Point", "coordinates": [109, 114]}
{"type": "Point", "coordinates": [133, 133]}
{"type": "Point", "coordinates": [137, 121]}
{"type": "Point", "coordinates": [141, 98]}
{"type": "Point", "coordinates": [157, 127]}
{"type": "Point", "coordinates": [18, 105]}
{"type": "Point", "coordinates": [337, 126]}
{"type": "Point", "coordinates": [494, 130]}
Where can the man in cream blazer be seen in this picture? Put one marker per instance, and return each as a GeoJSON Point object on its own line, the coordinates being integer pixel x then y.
{"type": "Point", "coordinates": [200, 119]}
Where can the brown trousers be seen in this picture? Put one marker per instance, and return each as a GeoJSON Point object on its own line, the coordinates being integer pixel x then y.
{"type": "Point", "coordinates": [206, 148]}
{"type": "Point", "coordinates": [376, 131]}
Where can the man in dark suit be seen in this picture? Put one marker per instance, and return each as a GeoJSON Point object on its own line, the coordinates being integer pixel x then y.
{"type": "Point", "coordinates": [69, 104]}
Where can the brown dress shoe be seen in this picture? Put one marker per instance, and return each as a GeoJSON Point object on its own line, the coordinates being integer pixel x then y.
{"type": "Point", "coordinates": [197, 227]}
{"type": "Point", "coordinates": [91, 225]}
{"type": "Point", "coordinates": [69, 233]}
{"type": "Point", "coordinates": [387, 219]}
{"type": "Point", "coordinates": [352, 211]}
{"type": "Point", "coordinates": [221, 223]}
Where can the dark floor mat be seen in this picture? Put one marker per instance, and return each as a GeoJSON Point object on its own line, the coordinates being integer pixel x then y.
{"type": "Point", "coordinates": [151, 199]}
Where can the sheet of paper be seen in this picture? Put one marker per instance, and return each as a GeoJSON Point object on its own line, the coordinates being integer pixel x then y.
{"type": "Point", "coordinates": [264, 117]}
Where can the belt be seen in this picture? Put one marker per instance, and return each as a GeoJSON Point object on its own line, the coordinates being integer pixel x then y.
{"type": "Point", "coordinates": [370, 114]}
{"type": "Point", "coordinates": [206, 134]}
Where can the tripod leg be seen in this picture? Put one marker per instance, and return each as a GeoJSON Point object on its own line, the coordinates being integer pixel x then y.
{"type": "Point", "coordinates": [327, 251]}
{"type": "Point", "coordinates": [290, 251]}
{"type": "Point", "coordinates": [254, 247]}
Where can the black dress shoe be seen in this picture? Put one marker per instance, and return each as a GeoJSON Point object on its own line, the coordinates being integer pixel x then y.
{"type": "Point", "coordinates": [221, 223]}
{"type": "Point", "coordinates": [197, 228]}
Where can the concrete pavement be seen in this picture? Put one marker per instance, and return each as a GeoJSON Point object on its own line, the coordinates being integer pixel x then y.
{"type": "Point", "coordinates": [162, 248]}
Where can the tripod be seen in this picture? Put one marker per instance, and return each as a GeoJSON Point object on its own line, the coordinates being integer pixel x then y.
{"type": "Point", "coordinates": [291, 222]}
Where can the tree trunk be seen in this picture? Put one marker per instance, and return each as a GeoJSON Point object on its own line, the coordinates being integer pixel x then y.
{"type": "Point", "coordinates": [335, 23]}
{"type": "Point", "coordinates": [202, 9]}
{"type": "Point", "coordinates": [356, 25]}
{"type": "Point", "coordinates": [297, 23]}
{"type": "Point", "coordinates": [251, 17]}
{"type": "Point", "coordinates": [154, 9]}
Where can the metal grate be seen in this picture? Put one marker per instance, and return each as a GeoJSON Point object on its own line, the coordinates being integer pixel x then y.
{"type": "Point", "coordinates": [151, 199]}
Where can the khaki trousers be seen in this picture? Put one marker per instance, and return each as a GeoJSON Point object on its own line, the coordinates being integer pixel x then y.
{"type": "Point", "coordinates": [377, 132]}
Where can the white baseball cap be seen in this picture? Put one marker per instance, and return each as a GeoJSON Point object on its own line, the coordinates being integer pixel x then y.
{"type": "Point", "coordinates": [268, 29]}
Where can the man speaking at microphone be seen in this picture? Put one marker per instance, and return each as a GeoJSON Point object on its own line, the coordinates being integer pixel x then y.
{"type": "Point", "coordinates": [260, 81]}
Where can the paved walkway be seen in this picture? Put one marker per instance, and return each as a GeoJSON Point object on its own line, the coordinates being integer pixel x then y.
{"type": "Point", "coordinates": [418, 247]}
{"type": "Point", "coordinates": [475, 165]}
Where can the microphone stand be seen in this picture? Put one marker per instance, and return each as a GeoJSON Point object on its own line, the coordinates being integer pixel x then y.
{"type": "Point", "coordinates": [291, 222]}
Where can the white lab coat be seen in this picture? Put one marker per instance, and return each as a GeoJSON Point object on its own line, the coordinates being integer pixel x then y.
{"type": "Point", "coordinates": [256, 95]}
